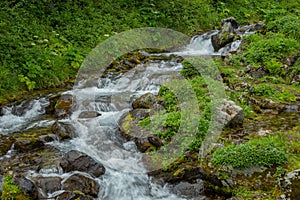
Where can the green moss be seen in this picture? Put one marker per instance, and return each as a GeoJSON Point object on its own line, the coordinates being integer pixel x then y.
{"type": "Point", "coordinates": [10, 191]}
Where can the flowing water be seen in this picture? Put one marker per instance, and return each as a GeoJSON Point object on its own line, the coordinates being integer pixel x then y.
{"type": "Point", "coordinates": [126, 177]}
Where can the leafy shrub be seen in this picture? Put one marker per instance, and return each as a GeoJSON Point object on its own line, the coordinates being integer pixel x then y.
{"type": "Point", "coordinates": [260, 49]}
{"type": "Point", "coordinates": [269, 91]}
{"type": "Point", "coordinates": [267, 152]}
{"type": "Point", "coordinates": [289, 25]}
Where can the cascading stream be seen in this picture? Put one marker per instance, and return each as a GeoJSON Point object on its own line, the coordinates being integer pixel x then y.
{"type": "Point", "coordinates": [99, 137]}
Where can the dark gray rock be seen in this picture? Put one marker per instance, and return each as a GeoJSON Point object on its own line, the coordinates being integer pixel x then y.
{"type": "Point", "coordinates": [26, 185]}
{"type": "Point", "coordinates": [226, 34]}
{"type": "Point", "coordinates": [49, 184]}
{"type": "Point", "coordinates": [22, 108]}
{"type": "Point", "coordinates": [63, 130]}
{"type": "Point", "coordinates": [89, 114]}
{"type": "Point", "coordinates": [78, 161]}
{"type": "Point", "coordinates": [26, 144]}
{"type": "Point", "coordinates": [189, 190]}
{"type": "Point", "coordinates": [84, 184]}
{"type": "Point", "coordinates": [67, 195]}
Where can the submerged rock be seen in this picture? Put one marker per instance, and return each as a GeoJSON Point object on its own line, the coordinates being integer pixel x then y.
{"type": "Point", "coordinates": [83, 184]}
{"type": "Point", "coordinates": [77, 161]}
{"type": "Point", "coordinates": [89, 114]}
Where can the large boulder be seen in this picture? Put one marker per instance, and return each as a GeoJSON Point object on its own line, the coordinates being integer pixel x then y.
{"type": "Point", "coordinates": [230, 114]}
{"type": "Point", "coordinates": [82, 183]}
{"type": "Point", "coordinates": [77, 161]}
{"type": "Point", "coordinates": [226, 34]}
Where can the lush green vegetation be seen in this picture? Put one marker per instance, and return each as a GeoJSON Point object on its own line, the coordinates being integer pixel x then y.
{"type": "Point", "coordinates": [12, 192]}
{"type": "Point", "coordinates": [44, 42]}
{"type": "Point", "coordinates": [266, 151]}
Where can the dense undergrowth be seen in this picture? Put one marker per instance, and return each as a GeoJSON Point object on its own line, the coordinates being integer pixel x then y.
{"type": "Point", "coordinates": [43, 43]}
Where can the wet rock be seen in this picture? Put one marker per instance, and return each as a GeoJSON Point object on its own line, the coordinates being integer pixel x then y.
{"type": "Point", "coordinates": [52, 102]}
{"type": "Point", "coordinates": [63, 130]}
{"type": "Point", "coordinates": [64, 106]}
{"type": "Point", "coordinates": [5, 143]}
{"type": "Point", "coordinates": [145, 101]}
{"type": "Point", "coordinates": [140, 114]}
{"type": "Point", "coordinates": [291, 184]}
{"type": "Point", "coordinates": [39, 159]}
{"type": "Point", "coordinates": [84, 184]}
{"type": "Point", "coordinates": [47, 138]}
{"type": "Point", "coordinates": [78, 161]}
{"type": "Point", "coordinates": [229, 24]}
{"type": "Point", "coordinates": [26, 185]}
{"type": "Point", "coordinates": [189, 190]}
{"type": "Point", "coordinates": [258, 27]}
{"type": "Point", "coordinates": [73, 196]}
{"type": "Point", "coordinates": [142, 144]}
{"type": "Point", "coordinates": [89, 114]}
{"type": "Point", "coordinates": [49, 184]}
{"type": "Point", "coordinates": [230, 114]}
{"type": "Point", "coordinates": [142, 138]}
{"type": "Point", "coordinates": [26, 144]}
{"type": "Point", "coordinates": [226, 34]}
{"type": "Point", "coordinates": [21, 109]}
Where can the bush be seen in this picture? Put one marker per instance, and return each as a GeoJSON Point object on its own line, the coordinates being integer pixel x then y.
{"type": "Point", "coordinates": [289, 25]}
{"type": "Point", "coordinates": [267, 152]}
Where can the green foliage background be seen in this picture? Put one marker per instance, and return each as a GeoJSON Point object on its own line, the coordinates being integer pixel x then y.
{"type": "Point", "coordinates": [44, 42]}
